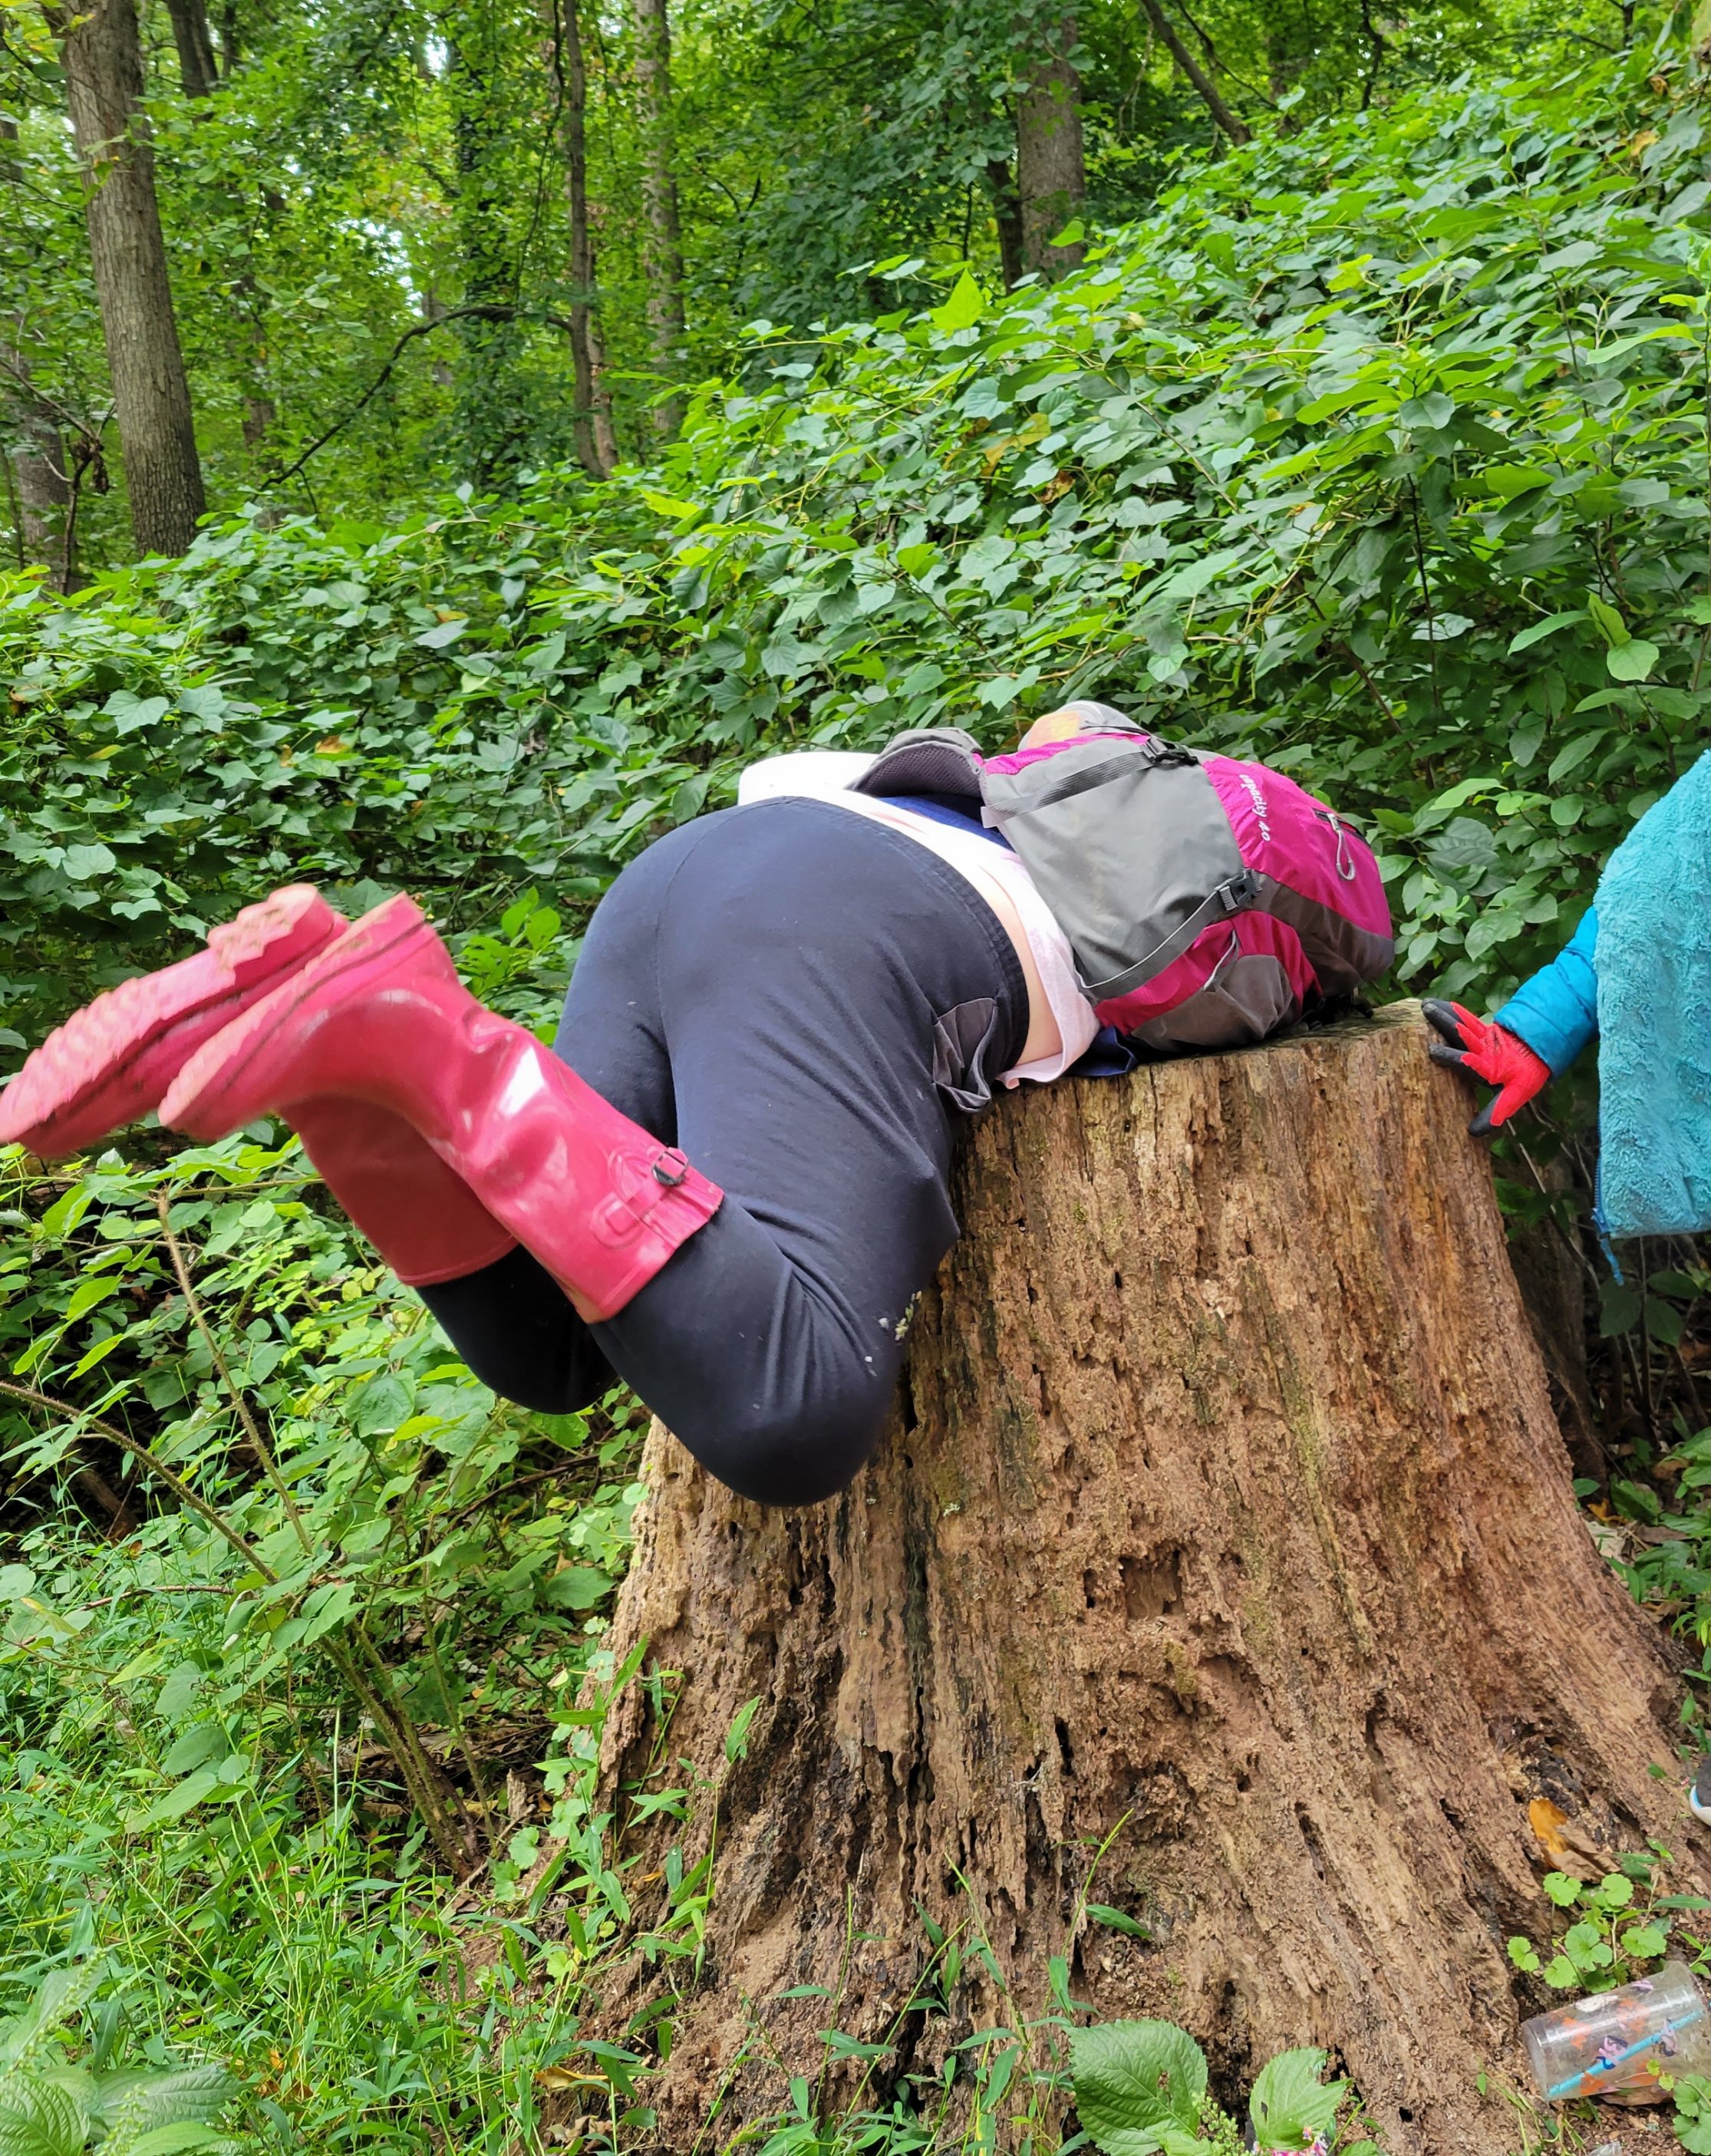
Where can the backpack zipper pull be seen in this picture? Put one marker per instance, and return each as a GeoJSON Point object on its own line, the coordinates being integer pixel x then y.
{"type": "Point", "coordinates": [1346, 867]}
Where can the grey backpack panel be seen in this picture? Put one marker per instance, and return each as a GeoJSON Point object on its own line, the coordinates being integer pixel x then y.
{"type": "Point", "coordinates": [1128, 911]}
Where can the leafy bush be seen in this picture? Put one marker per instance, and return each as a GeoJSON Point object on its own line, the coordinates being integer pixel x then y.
{"type": "Point", "coordinates": [1610, 1941]}
{"type": "Point", "coordinates": [1140, 2090]}
{"type": "Point", "coordinates": [287, 1941]}
{"type": "Point", "coordinates": [1379, 451]}
{"type": "Point", "coordinates": [52, 2106]}
{"type": "Point", "coordinates": [347, 1487]}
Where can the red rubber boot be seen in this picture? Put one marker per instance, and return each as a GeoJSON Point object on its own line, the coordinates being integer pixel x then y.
{"type": "Point", "coordinates": [111, 1062]}
{"type": "Point", "coordinates": [421, 1215]}
{"type": "Point", "coordinates": [381, 1016]}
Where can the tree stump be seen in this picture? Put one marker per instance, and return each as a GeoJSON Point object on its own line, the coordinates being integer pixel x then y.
{"type": "Point", "coordinates": [1223, 1512]}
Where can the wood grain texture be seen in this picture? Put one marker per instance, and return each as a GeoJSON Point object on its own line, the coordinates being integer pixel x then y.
{"type": "Point", "coordinates": [1224, 1508]}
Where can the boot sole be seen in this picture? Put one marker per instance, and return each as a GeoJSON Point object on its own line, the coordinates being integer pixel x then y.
{"type": "Point", "coordinates": [111, 1062]}
{"type": "Point", "coordinates": [194, 1103]}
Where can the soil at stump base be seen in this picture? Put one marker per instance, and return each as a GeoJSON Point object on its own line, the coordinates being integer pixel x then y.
{"type": "Point", "coordinates": [1223, 1508]}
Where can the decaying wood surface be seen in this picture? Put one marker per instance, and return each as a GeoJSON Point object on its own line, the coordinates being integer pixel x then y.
{"type": "Point", "coordinates": [1223, 1514]}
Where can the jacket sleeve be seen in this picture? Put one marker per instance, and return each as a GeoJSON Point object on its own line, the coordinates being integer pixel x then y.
{"type": "Point", "coordinates": [1556, 1011]}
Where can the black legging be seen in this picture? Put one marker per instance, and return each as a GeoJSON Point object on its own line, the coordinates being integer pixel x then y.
{"type": "Point", "coordinates": [804, 1002]}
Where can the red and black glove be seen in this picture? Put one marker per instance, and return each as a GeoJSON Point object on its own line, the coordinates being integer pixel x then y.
{"type": "Point", "coordinates": [1484, 1051]}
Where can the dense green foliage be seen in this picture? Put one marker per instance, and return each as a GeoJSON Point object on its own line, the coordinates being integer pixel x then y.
{"type": "Point", "coordinates": [1380, 451]}
{"type": "Point", "coordinates": [359, 173]}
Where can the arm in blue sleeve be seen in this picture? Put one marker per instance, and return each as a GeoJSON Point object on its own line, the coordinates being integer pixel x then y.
{"type": "Point", "coordinates": [1556, 1011]}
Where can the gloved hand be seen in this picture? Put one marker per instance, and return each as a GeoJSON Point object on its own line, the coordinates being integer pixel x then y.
{"type": "Point", "coordinates": [1484, 1051]}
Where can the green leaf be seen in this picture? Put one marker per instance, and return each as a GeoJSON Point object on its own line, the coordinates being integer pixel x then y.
{"type": "Point", "coordinates": [1508, 481]}
{"type": "Point", "coordinates": [737, 1736]}
{"type": "Point", "coordinates": [1614, 630]}
{"type": "Point", "coordinates": [177, 1696]}
{"type": "Point", "coordinates": [129, 712]}
{"type": "Point", "coordinates": [195, 1749]}
{"type": "Point", "coordinates": [577, 1587]}
{"type": "Point", "coordinates": [1644, 1942]}
{"type": "Point", "coordinates": [1524, 1955]}
{"type": "Point", "coordinates": [1132, 2079]}
{"type": "Point", "coordinates": [1432, 410]}
{"type": "Point", "coordinates": [445, 633]}
{"type": "Point", "coordinates": [1571, 756]}
{"type": "Point", "coordinates": [147, 2101]}
{"type": "Point", "coordinates": [60, 1997]}
{"type": "Point", "coordinates": [1634, 1500]}
{"type": "Point", "coordinates": [1537, 631]}
{"type": "Point", "coordinates": [184, 1796]}
{"type": "Point", "coordinates": [964, 307]}
{"type": "Point", "coordinates": [63, 1214]}
{"type": "Point", "coordinates": [84, 864]}
{"type": "Point", "coordinates": [40, 2118]}
{"type": "Point", "coordinates": [175, 2140]}
{"type": "Point", "coordinates": [87, 1294]}
{"type": "Point", "coordinates": [1115, 1920]}
{"type": "Point", "coordinates": [668, 505]}
{"type": "Point", "coordinates": [1290, 2107]}
{"type": "Point", "coordinates": [1632, 661]}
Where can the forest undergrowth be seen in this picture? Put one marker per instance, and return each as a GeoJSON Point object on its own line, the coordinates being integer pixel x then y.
{"type": "Point", "coordinates": [1382, 451]}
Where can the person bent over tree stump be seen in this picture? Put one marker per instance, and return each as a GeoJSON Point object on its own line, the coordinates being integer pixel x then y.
{"type": "Point", "coordinates": [1213, 1518]}
{"type": "Point", "coordinates": [1222, 1516]}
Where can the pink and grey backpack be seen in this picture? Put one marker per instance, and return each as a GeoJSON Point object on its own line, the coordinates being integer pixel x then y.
{"type": "Point", "coordinates": [1207, 901]}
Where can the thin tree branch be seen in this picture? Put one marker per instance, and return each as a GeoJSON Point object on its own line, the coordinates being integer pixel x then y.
{"type": "Point", "coordinates": [263, 1453]}
{"type": "Point", "coordinates": [156, 1466]}
{"type": "Point", "coordinates": [1237, 129]}
{"type": "Point", "coordinates": [491, 311]}
{"type": "Point", "coordinates": [1215, 59]}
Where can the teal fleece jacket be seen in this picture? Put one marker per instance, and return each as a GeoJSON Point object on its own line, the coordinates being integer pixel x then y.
{"type": "Point", "coordinates": [1556, 1011]}
{"type": "Point", "coordinates": [1638, 973]}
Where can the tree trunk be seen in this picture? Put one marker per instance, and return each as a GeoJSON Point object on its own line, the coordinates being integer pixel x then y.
{"type": "Point", "coordinates": [662, 260]}
{"type": "Point", "coordinates": [198, 76]}
{"type": "Point", "coordinates": [1051, 176]}
{"type": "Point", "coordinates": [1007, 216]}
{"type": "Point", "coordinates": [1223, 1516]}
{"type": "Point", "coordinates": [35, 446]}
{"type": "Point", "coordinates": [596, 446]}
{"type": "Point", "coordinates": [39, 474]}
{"type": "Point", "coordinates": [103, 62]}
{"type": "Point", "coordinates": [197, 70]}
{"type": "Point", "coordinates": [1236, 130]}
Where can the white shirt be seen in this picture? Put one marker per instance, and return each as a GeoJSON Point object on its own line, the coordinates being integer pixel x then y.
{"type": "Point", "coordinates": [827, 774]}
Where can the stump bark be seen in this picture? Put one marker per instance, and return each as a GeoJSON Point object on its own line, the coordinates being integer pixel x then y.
{"type": "Point", "coordinates": [1223, 1513]}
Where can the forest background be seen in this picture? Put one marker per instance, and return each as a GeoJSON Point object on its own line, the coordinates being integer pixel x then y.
{"type": "Point", "coordinates": [441, 446]}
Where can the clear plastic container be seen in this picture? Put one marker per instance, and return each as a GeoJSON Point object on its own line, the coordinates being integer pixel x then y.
{"type": "Point", "coordinates": [1621, 2039]}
